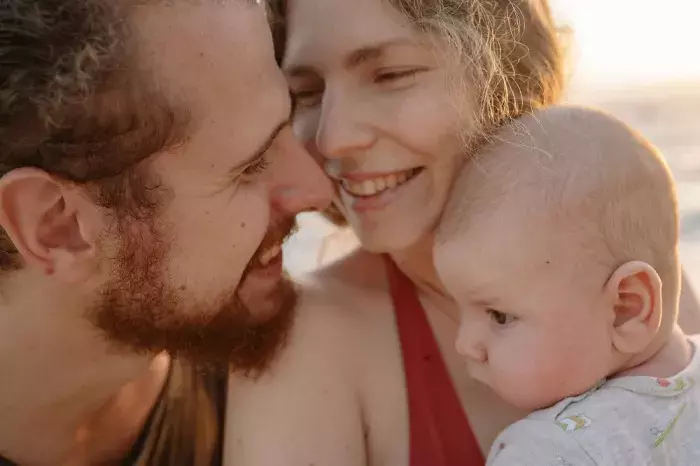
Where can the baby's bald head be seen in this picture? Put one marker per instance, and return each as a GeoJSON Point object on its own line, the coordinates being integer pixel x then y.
{"type": "Point", "coordinates": [579, 179]}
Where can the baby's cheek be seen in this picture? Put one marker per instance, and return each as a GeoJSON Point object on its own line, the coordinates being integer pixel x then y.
{"type": "Point", "coordinates": [568, 374]}
{"type": "Point", "coordinates": [532, 380]}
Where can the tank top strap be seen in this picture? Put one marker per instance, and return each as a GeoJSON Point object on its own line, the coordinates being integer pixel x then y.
{"type": "Point", "coordinates": [440, 434]}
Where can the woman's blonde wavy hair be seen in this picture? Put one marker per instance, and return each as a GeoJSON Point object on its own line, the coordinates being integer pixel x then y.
{"type": "Point", "coordinates": [511, 52]}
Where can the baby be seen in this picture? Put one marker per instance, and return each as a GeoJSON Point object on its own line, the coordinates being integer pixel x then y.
{"type": "Point", "coordinates": [560, 246]}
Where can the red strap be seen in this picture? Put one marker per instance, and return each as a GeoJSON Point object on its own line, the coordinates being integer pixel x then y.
{"type": "Point", "coordinates": [440, 434]}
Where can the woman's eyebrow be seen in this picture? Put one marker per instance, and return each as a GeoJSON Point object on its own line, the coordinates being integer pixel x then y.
{"type": "Point", "coordinates": [354, 58]}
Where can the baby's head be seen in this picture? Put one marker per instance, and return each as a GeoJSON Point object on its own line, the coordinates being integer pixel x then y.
{"type": "Point", "coordinates": [555, 244]}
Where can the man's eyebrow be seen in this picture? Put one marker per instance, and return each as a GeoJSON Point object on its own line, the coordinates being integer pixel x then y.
{"type": "Point", "coordinates": [263, 148]}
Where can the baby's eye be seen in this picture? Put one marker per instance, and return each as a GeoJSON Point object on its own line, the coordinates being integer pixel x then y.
{"type": "Point", "coordinates": [500, 318]}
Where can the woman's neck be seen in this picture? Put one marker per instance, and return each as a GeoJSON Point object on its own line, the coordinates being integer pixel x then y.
{"type": "Point", "coordinates": [416, 262]}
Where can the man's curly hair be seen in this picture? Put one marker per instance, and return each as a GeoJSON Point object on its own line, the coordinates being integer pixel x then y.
{"type": "Point", "coordinates": [74, 103]}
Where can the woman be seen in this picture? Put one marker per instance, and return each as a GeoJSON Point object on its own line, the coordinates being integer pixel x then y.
{"type": "Point", "coordinates": [390, 95]}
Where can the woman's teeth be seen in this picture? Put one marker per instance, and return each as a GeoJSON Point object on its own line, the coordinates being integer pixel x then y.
{"type": "Point", "coordinates": [270, 254]}
{"type": "Point", "coordinates": [378, 185]}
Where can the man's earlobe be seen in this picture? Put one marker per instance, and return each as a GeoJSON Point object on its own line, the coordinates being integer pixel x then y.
{"type": "Point", "coordinates": [635, 288]}
{"type": "Point", "coordinates": [42, 217]}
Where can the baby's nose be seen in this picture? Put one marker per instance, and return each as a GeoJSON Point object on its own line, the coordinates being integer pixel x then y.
{"type": "Point", "coordinates": [469, 345]}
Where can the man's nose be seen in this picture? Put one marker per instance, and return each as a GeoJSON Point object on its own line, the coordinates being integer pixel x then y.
{"type": "Point", "coordinates": [298, 183]}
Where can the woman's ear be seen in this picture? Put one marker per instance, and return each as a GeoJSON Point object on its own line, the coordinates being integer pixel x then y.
{"type": "Point", "coordinates": [635, 290]}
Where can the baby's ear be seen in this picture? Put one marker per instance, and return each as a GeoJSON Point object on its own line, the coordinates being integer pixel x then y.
{"type": "Point", "coordinates": [635, 291]}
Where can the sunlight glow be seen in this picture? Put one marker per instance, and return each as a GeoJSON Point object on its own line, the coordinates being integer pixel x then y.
{"type": "Point", "coordinates": [636, 41]}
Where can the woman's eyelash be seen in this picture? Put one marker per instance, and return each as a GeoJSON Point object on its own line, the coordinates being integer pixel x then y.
{"type": "Point", "coordinates": [394, 75]}
{"type": "Point", "coordinates": [311, 96]}
{"type": "Point", "coordinates": [259, 166]}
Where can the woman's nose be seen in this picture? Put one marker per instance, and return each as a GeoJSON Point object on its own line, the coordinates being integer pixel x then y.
{"type": "Point", "coordinates": [343, 129]}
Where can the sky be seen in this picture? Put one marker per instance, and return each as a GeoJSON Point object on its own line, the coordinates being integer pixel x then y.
{"type": "Point", "coordinates": [633, 41]}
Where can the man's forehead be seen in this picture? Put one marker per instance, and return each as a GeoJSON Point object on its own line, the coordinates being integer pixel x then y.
{"type": "Point", "coordinates": [203, 46]}
{"type": "Point", "coordinates": [216, 61]}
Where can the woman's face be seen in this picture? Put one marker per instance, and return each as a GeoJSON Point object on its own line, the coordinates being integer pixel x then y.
{"type": "Point", "coordinates": [375, 105]}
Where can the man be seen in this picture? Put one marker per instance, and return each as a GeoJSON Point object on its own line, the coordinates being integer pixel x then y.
{"type": "Point", "coordinates": [149, 177]}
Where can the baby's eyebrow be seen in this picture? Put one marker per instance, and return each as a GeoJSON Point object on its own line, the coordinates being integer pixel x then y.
{"type": "Point", "coordinates": [478, 294]}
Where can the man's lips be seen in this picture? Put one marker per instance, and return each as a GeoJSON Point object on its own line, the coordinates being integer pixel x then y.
{"type": "Point", "coordinates": [271, 246]}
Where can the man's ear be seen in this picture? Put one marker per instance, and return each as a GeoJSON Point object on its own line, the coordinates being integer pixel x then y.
{"type": "Point", "coordinates": [51, 223]}
{"type": "Point", "coordinates": [635, 290]}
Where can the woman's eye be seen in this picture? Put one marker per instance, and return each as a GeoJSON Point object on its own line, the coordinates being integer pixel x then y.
{"type": "Point", "coordinates": [500, 318]}
{"type": "Point", "coordinates": [257, 167]}
{"type": "Point", "coordinates": [391, 76]}
{"type": "Point", "coordinates": [304, 98]}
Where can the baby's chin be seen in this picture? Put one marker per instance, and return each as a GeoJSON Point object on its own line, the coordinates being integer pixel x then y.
{"type": "Point", "coordinates": [534, 397]}
{"type": "Point", "coordinates": [516, 398]}
{"type": "Point", "coordinates": [528, 394]}
{"type": "Point", "coordinates": [528, 403]}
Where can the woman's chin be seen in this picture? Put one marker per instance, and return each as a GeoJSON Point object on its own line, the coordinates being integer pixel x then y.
{"type": "Point", "coordinates": [387, 240]}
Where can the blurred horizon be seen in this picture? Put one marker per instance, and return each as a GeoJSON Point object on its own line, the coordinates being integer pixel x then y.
{"type": "Point", "coordinates": [636, 60]}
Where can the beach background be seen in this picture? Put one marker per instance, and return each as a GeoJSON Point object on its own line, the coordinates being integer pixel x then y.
{"type": "Point", "coordinates": [636, 59]}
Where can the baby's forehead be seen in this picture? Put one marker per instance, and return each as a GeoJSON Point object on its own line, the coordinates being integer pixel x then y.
{"type": "Point", "coordinates": [491, 203]}
{"type": "Point", "coordinates": [489, 267]}
{"type": "Point", "coordinates": [571, 189]}
{"type": "Point", "coordinates": [541, 168]}
{"type": "Point", "coordinates": [518, 201]}
{"type": "Point", "coordinates": [506, 233]}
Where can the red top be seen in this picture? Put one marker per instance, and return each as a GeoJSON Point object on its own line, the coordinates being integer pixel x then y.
{"type": "Point", "coordinates": [440, 434]}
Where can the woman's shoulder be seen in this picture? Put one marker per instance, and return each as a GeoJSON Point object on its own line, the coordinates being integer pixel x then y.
{"type": "Point", "coordinates": [341, 309]}
{"type": "Point", "coordinates": [358, 277]}
{"type": "Point", "coordinates": [345, 302]}
{"type": "Point", "coordinates": [308, 403]}
{"type": "Point", "coordinates": [351, 268]}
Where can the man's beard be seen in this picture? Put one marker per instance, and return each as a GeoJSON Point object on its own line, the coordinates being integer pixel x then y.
{"type": "Point", "coordinates": [140, 311]}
